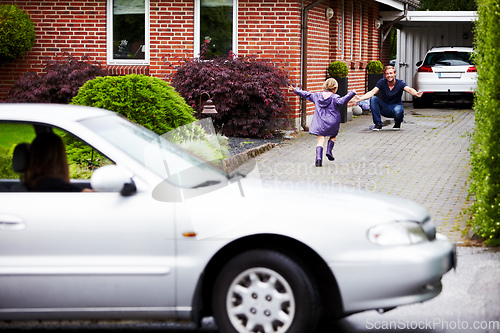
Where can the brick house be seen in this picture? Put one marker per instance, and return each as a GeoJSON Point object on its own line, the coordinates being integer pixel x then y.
{"type": "Point", "coordinates": [138, 36]}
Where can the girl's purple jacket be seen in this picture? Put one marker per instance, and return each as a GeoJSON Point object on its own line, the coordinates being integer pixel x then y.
{"type": "Point", "coordinates": [326, 118]}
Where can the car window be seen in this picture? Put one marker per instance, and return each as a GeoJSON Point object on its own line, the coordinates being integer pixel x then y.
{"type": "Point", "coordinates": [448, 59]}
{"type": "Point", "coordinates": [82, 158]}
{"type": "Point", "coordinates": [156, 153]}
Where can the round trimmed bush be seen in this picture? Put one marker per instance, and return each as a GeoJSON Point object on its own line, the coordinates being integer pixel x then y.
{"type": "Point", "coordinates": [148, 101]}
{"type": "Point", "coordinates": [17, 33]}
{"type": "Point", "coordinates": [338, 69]}
{"type": "Point", "coordinates": [374, 67]}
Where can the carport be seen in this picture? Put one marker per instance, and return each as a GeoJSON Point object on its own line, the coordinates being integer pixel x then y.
{"type": "Point", "coordinates": [419, 31]}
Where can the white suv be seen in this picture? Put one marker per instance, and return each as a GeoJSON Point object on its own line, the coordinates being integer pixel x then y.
{"type": "Point", "coordinates": [446, 73]}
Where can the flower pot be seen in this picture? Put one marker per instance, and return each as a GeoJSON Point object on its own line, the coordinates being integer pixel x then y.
{"type": "Point", "coordinates": [342, 90]}
{"type": "Point", "coordinates": [372, 80]}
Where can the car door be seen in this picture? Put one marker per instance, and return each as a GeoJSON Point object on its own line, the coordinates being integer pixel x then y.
{"type": "Point", "coordinates": [84, 253]}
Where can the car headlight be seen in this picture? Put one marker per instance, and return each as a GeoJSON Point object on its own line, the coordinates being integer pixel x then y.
{"type": "Point", "coordinates": [397, 233]}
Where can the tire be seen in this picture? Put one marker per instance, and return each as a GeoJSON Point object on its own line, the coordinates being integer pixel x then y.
{"type": "Point", "coordinates": [265, 291]}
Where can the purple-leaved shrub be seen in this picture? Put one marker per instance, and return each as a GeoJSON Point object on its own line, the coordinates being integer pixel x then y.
{"type": "Point", "coordinates": [246, 92]}
{"type": "Point", "coordinates": [58, 84]}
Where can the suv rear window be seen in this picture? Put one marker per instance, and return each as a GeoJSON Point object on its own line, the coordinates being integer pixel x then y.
{"type": "Point", "coordinates": [450, 58]}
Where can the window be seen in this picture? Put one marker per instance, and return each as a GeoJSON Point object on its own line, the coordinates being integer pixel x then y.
{"type": "Point", "coordinates": [360, 31]}
{"type": "Point", "coordinates": [216, 21]}
{"type": "Point", "coordinates": [15, 141]}
{"type": "Point", "coordinates": [340, 32]}
{"type": "Point", "coordinates": [128, 32]}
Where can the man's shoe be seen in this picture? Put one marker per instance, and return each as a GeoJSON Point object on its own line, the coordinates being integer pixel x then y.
{"type": "Point", "coordinates": [377, 127]}
{"type": "Point", "coordinates": [397, 126]}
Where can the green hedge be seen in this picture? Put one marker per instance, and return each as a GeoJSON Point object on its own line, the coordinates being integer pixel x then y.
{"type": "Point", "coordinates": [148, 101]}
{"type": "Point", "coordinates": [17, 33]}
{"type": "Point", "coordinates": [485, 152]}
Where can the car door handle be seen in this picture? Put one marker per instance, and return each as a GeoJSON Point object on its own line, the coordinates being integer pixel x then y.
{"type": "Point", "coordinates": [11, 223]}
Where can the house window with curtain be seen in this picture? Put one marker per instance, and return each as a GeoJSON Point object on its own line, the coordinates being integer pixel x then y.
{"type": "Point", "coordinates": [128, 32]}
{"type": "Point", "coordinates": [216, 23]}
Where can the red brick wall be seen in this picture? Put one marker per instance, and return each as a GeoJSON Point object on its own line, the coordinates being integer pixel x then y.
{"type": "Point", "coordinates": [269, 29]}
{"type": "Point", "coordinates": [318, 48]}
{"type": "Point", "coordinates": [359, 18]}
{"type": "Point", "coordinates": [79, 28]}
{"type": "Point", "coordinates": [171, 34]}
{"type": "Point", "coordinates": [324, 44]}
{"type": "Point", "coordinates": [61, 26]}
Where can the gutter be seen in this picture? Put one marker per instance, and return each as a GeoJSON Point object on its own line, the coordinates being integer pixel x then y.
{"type": "Point", "coordinates": [303, 57]}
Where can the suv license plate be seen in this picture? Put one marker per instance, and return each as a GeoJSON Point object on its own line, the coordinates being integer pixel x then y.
{"type": "Point", "coordinates": [450, 75]}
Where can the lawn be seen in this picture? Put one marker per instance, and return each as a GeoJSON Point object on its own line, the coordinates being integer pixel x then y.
{"type": "Point", "coordinates": [10, 135]}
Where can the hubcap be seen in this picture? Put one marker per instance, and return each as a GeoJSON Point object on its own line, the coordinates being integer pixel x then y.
{"type": "Point", "coordinates": [260, 300]}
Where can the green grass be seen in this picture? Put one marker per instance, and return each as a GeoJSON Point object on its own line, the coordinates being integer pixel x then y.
{"type": "Point", "coordinates": [11, 134]}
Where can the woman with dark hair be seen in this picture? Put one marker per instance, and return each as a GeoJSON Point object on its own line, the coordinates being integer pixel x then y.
{"type": "Point", "coordinates": [48, 169]}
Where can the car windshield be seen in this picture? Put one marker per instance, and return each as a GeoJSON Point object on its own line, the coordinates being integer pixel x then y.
{"type": "Point", "coordinates": [450, 58]}
{"type": "Point", "coordinates": [156, 153]}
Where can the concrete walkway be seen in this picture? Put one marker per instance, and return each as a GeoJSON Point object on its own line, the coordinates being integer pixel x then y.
{"type": "Point", "coordinates": [426, 161]}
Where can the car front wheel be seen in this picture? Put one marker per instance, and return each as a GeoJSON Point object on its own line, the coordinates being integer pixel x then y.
{"type": "Point", "coordinates": [264, 291]}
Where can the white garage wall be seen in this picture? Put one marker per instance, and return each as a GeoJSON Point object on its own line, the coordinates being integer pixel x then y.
{"type": "Point", "coordinates": [416, 38]}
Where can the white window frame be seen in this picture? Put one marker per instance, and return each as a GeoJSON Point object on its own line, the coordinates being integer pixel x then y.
{"type": "Point", "coordinates": [109, 41]}
{"type": "Point", "coordinates": [196, 49]}
{"type": "Point", "coordinates": [353, 26]}
{"type": "Point", "coordinates": [361, 18]}
{"type": "Point", "coordinates": [340, 32]}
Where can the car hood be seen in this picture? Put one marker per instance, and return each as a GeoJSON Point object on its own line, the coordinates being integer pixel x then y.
{"type": "Point", "coordinates": [249, 206]}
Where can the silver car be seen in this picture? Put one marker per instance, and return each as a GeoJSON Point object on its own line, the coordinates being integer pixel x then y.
{"type": "Point", "coordinates": [446, 73]}
{"type": "Point", "coordinates": [166, 235]}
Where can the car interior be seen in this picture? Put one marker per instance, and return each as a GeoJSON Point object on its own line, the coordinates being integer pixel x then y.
{"type": "Point", "coordinates": [14, 156]}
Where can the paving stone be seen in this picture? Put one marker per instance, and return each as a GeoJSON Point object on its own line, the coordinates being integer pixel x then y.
{"type": "Point", "coordinates": [426, 161]}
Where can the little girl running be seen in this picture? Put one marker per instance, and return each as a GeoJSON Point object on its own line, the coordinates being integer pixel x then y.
{"type": "Point", "coordinates": [326, 118]}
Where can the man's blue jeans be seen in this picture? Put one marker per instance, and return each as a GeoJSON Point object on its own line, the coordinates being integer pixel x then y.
{"type": "Point", "coordinates": [379, 108]}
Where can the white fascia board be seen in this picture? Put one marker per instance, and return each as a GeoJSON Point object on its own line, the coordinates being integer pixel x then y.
{"type": "Point", "coordinates": [442, 16]}
{"type": "Point", "coordinates": [432, 16]}
{"type": "Point", "coordinates": [392, 3]}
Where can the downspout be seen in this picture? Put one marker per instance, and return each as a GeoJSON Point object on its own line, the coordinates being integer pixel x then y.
{"type": "Point", "coordinates": [303, 55]}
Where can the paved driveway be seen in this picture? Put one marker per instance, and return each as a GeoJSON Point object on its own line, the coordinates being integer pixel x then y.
{"type": "Point", "coordinates": [427, 161]}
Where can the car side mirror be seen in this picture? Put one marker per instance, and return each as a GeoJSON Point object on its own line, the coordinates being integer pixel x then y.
{"type": "Point", "coordinates": [111, 178]}
{"type": "Point", "coordinates": [418, 64]}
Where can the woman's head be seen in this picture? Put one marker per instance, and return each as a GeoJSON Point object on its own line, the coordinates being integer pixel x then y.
{"type": "Point", "coordinates": [331, 85]}
{"type": "Point", "coordinates": [47, 159]}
